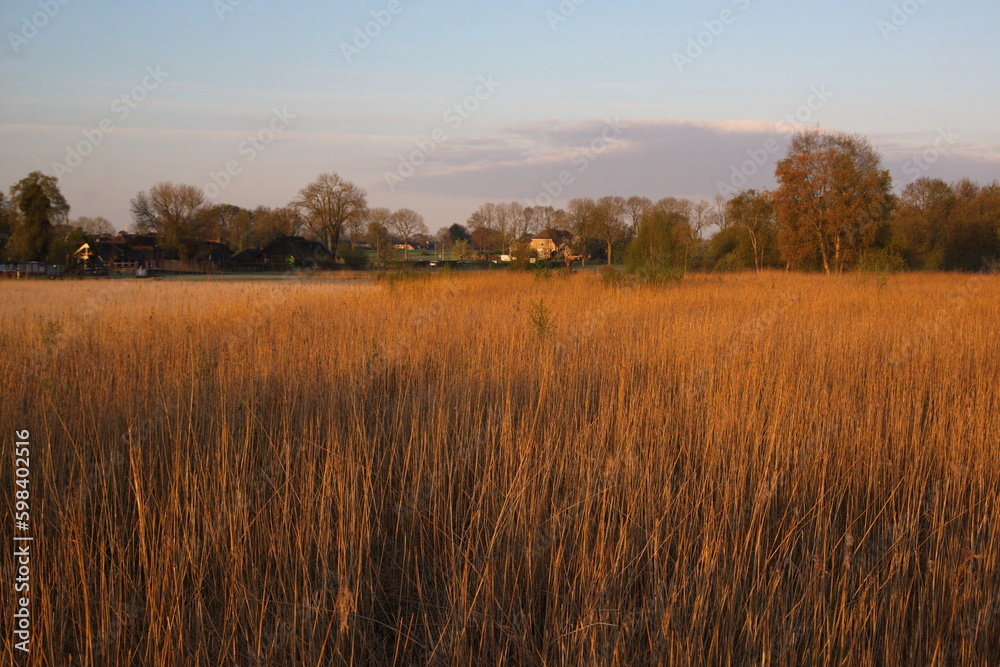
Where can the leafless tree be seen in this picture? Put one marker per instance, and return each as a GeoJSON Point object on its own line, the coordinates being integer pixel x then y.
{"type": "Point", "coordinates": [635, 206]}
{"type": "Point", "coordinates": [175, 212]}
{"type": "Point", "coordinates": [407, 224]}
{"type": "Point", "coordinates": [94, 227]}
{"type": "Point", "coordinates": [609, 221]}
{"type": "Point", "coordinates": [580, 216]}
{"type": "Point", "coordinates": [328, 204]}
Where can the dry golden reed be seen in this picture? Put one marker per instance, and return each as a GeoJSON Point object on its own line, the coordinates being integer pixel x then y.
{"type": "Point", "coordinates": [771, 469]}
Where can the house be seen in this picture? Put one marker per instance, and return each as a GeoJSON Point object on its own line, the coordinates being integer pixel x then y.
{"type": "Point", "coordinates": [209, 253]}
{"type": "Point", "coordinates": [249, 256]}
{"type": "Point", "coordinates": [296, 251]}
{"type": "Point", "coordinates": [144, 247]}
{"type": "Point", "coordinates": [105, 257]}
{"type": "Point", "coordinates": [548, 242]}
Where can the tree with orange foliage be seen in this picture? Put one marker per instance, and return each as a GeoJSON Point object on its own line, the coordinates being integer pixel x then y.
{"type": "Point", "coordinates": [833, 199]}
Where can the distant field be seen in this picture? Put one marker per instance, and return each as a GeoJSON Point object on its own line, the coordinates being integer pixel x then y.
{"type": "Point", "coordinates": [494, 468]}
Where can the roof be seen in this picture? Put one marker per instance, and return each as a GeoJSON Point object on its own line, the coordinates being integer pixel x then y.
{"type": "Point", "coordinates": [249, 256]}
{"type": "Point", "coordinates": [302, 250]}
{"type": "Point", "coordinates": [135, 241]}
{"type": "Point", "coordinates": [557, 236]}
{"type": "Point", "coordinates": [108, 251]}
{"type": "Point", "coordinates": [208, 250]}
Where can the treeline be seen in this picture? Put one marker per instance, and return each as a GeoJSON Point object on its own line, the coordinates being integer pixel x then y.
{"type": "Point", "coordinates": [833, 210]}
{"type": "Point", "coordinates": [35, 224]}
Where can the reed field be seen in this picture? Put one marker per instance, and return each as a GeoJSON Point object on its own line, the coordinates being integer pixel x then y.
{"type": "Point", "coordinates": [507, 469]}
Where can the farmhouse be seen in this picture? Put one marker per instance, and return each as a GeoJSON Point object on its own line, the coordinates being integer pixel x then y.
{"type": "Point", "coordinates": [296, 250]}
{"type": "Point", "coordinates": [548, 242]}
{"type": "Point", "coordinates": [104, 257]}
{"type": "Point", "coordinates": [249, 256]}
{"type": "Point", "coordinates": [211, 253]}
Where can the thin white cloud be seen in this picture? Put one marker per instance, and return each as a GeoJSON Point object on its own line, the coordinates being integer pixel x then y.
{"type": "Point", "coordinates": [201, 134]}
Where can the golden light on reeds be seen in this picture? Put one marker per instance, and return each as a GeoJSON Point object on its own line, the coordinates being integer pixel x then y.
{"type": "Point", "coordinates": [482, 469]}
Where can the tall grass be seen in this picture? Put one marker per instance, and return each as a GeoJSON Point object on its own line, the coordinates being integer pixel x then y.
{"type": "Point", "coordinates": [493, 469]}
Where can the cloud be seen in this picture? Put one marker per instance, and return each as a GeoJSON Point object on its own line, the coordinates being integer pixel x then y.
{"type": "Point", "coordinates": [654, 158]}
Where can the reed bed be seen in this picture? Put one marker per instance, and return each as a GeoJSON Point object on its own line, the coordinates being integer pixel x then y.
{"type": "Point", "coordinates": [492, 469]}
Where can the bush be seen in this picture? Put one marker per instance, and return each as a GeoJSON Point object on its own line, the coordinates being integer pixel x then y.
{"type": "Point", "coordinates": [642, 276]}
{"type": "Point", "coordinates": [881, 260]}
{"type": "Point", "coordinates": [354, 258]}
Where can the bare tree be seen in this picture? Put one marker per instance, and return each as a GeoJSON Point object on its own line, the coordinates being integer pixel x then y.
{"type": "Point", "coordinates": [509, 219]}
{"type": "Point", "coordinates": [702, 217]}
{"type": "Point", "coordinates": [634, 207]}
{"type": "Point", "coordinates": [175, 212]}
{"type": "Point", "coordinates": [721, 204]}
{"type": "Point", "coordinates": [483, 227]}
{"type": "Point", "coordinates": [608, 222]}
{"type": "Point", "coordinates": [377, 215]}
{"type": "Point", "coordinates": [407, 224]}
{"type": "Point", "coordinates": [527, 221]}
{"type": "Point", "coordinates": [580, 215]}
{"type": "Point", "coordinates": [94, 227]}
{"type": "Point", "coordinates": [673, 205]}
{"type": "Point", "coordinates": [226, 221]}
{"type": "Point", "coordinates": [270, 223]}
{"type": "Point", "coordinates": [328, 204]}
{"type": "Point", "coordinates": [544, 217]}
{"type": "Point", "coordinates": [753, 212]}
{"type": "Point", "coordinates": [355, 227]}
{"type": "Point", "coordinates": [378, 237]}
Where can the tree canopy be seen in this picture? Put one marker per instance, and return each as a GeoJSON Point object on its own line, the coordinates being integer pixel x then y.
{"type": "Point", "coordinates": [37, 206]}
{"type": "Point", "coordinates": [833, 197]}
{"type": "Point", "coordinates": [833, 210]}
{"type": "Point", "coordinates": [176, 213]}
{"type": "Point", "coordinates": [328, 204]}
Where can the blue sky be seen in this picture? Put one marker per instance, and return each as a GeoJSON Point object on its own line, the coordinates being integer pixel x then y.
{"type": "Point", "coordinates": [582, 98]}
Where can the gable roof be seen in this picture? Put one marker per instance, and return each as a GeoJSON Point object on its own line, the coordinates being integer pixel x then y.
{"type": "Point", "coordinates": [111, 251]}
{"type": "Point", "coordinates": [249, 256]}
{"type": "Point", "coordinates": [300, 249]}
{"type": "Point", "coordinates": [557, 236]}
{"type": "Point", "coordinates": [208, 250]}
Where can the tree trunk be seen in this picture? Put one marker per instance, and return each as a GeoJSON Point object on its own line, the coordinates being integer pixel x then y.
{"type": "Point", "coordinates": [753, 242]}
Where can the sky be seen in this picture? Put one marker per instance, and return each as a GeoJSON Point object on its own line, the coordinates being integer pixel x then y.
{"type": "Point", "coordinates": [443, 105]}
